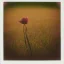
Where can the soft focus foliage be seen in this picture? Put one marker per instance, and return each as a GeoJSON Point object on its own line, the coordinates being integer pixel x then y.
{"type": "Point", "coordinates": [43, 33]}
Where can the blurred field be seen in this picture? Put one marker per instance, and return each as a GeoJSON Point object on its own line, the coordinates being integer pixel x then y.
{"type": "Point", "coordinates": [43, 33]}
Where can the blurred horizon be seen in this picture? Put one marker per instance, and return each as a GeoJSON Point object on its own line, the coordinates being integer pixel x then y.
{"type": "Point", "coordinates": [41, 4]}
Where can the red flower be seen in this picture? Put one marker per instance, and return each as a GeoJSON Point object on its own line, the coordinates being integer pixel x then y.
{"type": "Point", "coordinates": [24, 20]}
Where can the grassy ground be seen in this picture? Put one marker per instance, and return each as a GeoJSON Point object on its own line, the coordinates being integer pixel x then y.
{"type": "Point", "coordinates": [43, 33]}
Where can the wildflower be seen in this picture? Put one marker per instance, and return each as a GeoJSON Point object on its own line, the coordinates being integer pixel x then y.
{"type": "Point", "coordinates": [24, 20]}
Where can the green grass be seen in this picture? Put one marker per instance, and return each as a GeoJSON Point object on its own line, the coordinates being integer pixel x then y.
{"type": "Point", "coordinates": [31, 4]}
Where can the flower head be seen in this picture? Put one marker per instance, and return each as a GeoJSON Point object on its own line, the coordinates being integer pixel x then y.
{"type": "Point", "coordinates": [24, 20]}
